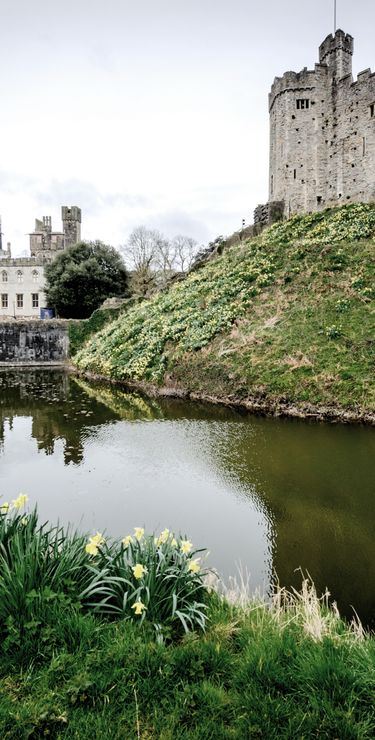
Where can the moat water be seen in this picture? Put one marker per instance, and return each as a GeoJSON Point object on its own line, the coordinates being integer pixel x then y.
{"type": "Point", "coordinates": [264, 495]}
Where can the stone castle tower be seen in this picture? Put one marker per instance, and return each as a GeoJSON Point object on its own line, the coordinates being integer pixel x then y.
{"type": "Point", "coordinates": [71, 218]}
{"type": "Point", "coordinates": [46, 243]}
{"type": "Point", "coordinates": [322, 135]}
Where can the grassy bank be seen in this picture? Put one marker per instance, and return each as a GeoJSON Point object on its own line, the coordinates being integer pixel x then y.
{"type": "Point", "coordinates": [286, 316]}
{"type": "Point", "coordinates": [78, 662]}
{"type": "Point", "coordinates": [80, 331]}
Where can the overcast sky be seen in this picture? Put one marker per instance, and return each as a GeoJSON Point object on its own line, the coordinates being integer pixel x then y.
{"type": "Point", "coordinates": [145, 112]}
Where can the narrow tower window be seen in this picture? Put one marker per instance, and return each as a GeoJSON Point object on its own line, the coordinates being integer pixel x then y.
{"type": "Point", "coordinates": [303, 103]}
{"type": "Point", "coordinates": [295, 174]}
{"type": "Point", "coordinates": [271, 184]}
{"type": "Point", "coordinates": [372, 110]}
{"type": "Point", "coordinates": [364, 146]}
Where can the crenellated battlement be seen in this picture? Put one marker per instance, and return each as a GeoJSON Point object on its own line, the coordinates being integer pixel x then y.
{"type": "Point", "coordinates": [292, 81]}
{"type": "Point", "coordinates": [332, 44]}
{"type": "Point", "coordinates": [22, 261]}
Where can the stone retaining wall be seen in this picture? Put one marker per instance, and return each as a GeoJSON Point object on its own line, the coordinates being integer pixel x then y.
{"type": "Point", "coordinates": [34, 342]}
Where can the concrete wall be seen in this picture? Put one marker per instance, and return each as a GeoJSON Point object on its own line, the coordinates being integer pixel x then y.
{"type": "Point", "coordinates": [34, 342]}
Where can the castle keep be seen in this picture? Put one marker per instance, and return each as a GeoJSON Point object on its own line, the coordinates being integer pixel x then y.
{"type": "Point", "coordinates": [322, 135]}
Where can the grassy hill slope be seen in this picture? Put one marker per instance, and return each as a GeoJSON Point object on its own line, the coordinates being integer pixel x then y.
{"type": "Point", "coordinates": [287, 317]}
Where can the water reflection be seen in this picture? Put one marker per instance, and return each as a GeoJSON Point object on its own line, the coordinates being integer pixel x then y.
{"type": "Point", "coordinates": [275, 495]}
{"type": "Point", "coordinates": [58, 408]}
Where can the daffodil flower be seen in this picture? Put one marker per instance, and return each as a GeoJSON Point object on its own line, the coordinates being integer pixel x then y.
{"type": "Point", "coordinates": [164, 536]}
{"type": "Point", "coordinates": [139, 607]}
{"type": "Point", "coordinates": [186, 546]}
{"type": "Point", "coordinates": [97, 539]}
{"type": "Point", "coordinates": [138, 570]}
{"type": "Point", "coordinates": [174, 542]}
{"type": "Point", "coordinates": [91, 548]}
{"type": "Point", "coordinates": [194, 566]}
{"type": "Point", "coordinates": [93, 544]}
{"type": "Point", "coordinates": [5, 507]}
{"type": "Point", "coordinates": [138, 533]}
{"type": "Point", "coordinates": [127, 540]}
{"type": "Point", "coordinates": [20, 501]}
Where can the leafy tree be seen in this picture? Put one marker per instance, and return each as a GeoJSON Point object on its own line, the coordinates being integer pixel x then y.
{"type": "Point", "coordinates": [82, 277]}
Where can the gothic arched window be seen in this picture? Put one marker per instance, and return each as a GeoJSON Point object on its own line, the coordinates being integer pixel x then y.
{"type": "Point", "coordinates": [4, 276]}
{"type": "Point", "coordinates": [19, 276]}
{"type": "Point", "coordinates": [35, 276]}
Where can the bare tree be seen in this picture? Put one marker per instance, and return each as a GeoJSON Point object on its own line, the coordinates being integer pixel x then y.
{"type": "Point", "coordinates": [185, 249]}
{"type": "Point", "coordinates": [153, 259]}
{"type": "Point", "coordinates": [139, 254]}
{"type": "Point", "coordinates": [140, 249]}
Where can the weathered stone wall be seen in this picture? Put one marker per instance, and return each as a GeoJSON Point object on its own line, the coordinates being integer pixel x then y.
{"type": "Point", "coordinates": [322, 132]}
{"type": "Point", "coordinates": [34, 342]}
{"type": "Point", "coordinates": [267, 214]}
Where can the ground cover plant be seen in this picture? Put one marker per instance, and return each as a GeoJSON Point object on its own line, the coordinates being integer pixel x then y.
{"type": "Point", "coordinates": [286, 315]}
{"type": "Point", "coordinates": [81, 330]}
{"type": "Point", "coordinates": [77, 663]}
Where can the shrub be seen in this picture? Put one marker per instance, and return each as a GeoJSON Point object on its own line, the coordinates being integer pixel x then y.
{"type": "Point", "coordinates": [82, 277]}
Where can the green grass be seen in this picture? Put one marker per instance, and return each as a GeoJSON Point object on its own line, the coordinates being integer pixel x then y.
{"type": "Point", "coordinates": [254, 673]}
{"type": "Point", "coordinates": [286, 316]}
{"type": "Point", "coordinates": [290, 668]}
{"type": "Point", "coordinates": [80, 331]}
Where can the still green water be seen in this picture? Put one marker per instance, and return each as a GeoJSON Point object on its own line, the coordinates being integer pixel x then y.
{"type": "Point", "coordinates": [265, 495]}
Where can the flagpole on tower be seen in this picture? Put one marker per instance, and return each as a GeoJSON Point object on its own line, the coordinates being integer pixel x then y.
{"type": "Point", "coordinates": [335, 16]}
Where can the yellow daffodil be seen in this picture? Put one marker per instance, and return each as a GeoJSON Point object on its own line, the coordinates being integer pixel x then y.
{"type": "Point", "coordinates": [127, 540]}
{"type": "Point", "coordinates": [91, 548]}
{"type": "Point", "coordinates": [164, 536]}
{"type": "Point", "coordinates": [24, 521]}
{"type": "Point", "coordinates": [186, 546]}
{"type": "Point", "coordinates": [138, 570]}
{"type": "Point", "coordinates": [138, 533]}
{"type": "Point", "coordinates": [93, 543]}
{"type": "Point", "coordinates": [5, 507]}
{"type": "Point", "coordinates": [97, 539]}
{"type": "Point", "coordinates": [139, 607]}
{"type": "Point", "coordinates": [194, 566]}
{"type": "Point", "coordinates": [20, 501]}
{"type": "Point", "coordinates": [174, 542]}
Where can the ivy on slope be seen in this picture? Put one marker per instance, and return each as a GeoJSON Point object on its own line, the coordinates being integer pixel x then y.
{"type": "Point", "coordinates": [150, 339]}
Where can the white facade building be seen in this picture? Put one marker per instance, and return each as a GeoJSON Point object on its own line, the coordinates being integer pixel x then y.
{"type": "Point", "coordinates": [22, 279]}
{"type": "Point", "coordinates": [21, 287]}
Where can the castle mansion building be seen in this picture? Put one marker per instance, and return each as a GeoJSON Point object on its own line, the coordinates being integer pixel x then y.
{"type": "Point", "coordinates": [22, 279]}
{"type": "Point", "coordinates": [322, 135]}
